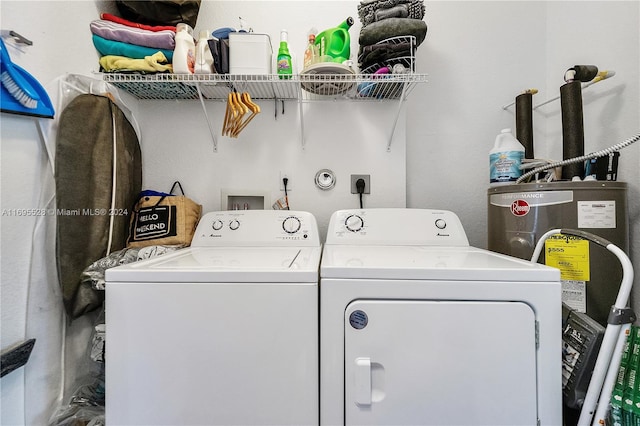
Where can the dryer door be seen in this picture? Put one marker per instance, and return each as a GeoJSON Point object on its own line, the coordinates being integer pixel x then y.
{"type": "Point", "coordinates": [440, 363]}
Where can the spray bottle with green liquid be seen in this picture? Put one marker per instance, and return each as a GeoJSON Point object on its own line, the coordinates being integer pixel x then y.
{"type": "Point", "coordinates": [284, 58]}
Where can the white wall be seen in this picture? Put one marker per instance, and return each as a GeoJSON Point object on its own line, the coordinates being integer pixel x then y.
{"type": "Point", "coordinates": [31, 303]}
{"type": "Point", "coordinates": [478, 55]}
{"type": "Point", "coordinates": [343, 137]}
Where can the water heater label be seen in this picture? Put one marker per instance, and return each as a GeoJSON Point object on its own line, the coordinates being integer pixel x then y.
{"type": "Point", "coordinates": [574, 295]}
{"type": "Point", "coordinates": [532, 199]}
{"type": "Point", "coordinates": [597, 214]}
{"type": "Point", "coordinates": [570, 254]}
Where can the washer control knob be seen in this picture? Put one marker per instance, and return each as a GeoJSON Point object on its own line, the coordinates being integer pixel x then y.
{"type": "Point", "coordinates": [234, 224]}
{"type": "Point", "coordinates": [291, 225]}
{"type": "Point", "coordinates": [441, 224]}
{"type": "Point", "coordinates": [354, 223]}
{"type": "Point", "coordinates": [217, 225]}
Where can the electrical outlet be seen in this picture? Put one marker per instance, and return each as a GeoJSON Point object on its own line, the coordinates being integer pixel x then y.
{"type": "Point", "coordinates": [367, 183]}
{"type": "Point", "coordinates": [288, 176]}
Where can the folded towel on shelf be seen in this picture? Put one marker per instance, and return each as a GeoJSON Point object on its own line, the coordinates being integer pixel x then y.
{"type": "Point", "coordinates": [154, 63]}
{"type": "Point", "coordinates": [399, 11]}
{"type": "Point", "coordinates": [110, 47]}
{"type": "Point", "coordinates": [393, 27]}
{"type": "Point", "coordinates": [391, 32]}
{"type": "Point", "coordinates": [382, 54]}
{"type": "Point", "coordinates": [119, 20]}
{"type": "Point", "coordinates": [371, 11]}
{"type": "Point", "coordinates": [379, 3]}
{"type": "Point", "coordinates": [110, 30]}
{"type": "Point", "coordinates": [384, 46]}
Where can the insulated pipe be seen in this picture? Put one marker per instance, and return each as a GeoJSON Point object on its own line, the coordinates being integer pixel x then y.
{"type": "Point", "coordinates": [597, 154]}
{"type": "Point", "coordinates": [524, 122]}
{"type": "Point", "coordinates": [572, 128]}
{"type": "Point", "coordinates": [583, 73]}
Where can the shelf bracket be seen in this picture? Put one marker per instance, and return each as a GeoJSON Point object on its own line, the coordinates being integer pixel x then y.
{"type": "Point", "coordinates": [302, 140]}
{"type": "Point", "coordinates": [395, 121]}
{"type": "Point", "coordinates": [206, 116]}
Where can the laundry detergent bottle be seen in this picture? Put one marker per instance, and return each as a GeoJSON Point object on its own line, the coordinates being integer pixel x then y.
{"type": "Point", "coordinates": [204, 58]}
{"type": "Point", "coordinates": [334, 44]}
{"type": "Point", "coordinates": [505, 159]}
{"type": "Point", "coordinates": [184, 54]}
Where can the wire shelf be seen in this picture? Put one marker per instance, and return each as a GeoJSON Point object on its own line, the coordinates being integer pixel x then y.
{"type": "Point", "coordinates": [357, 87]}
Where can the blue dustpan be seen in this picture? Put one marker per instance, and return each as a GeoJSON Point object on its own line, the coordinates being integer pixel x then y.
{"type": "Point", "coordinates": [27, 84]}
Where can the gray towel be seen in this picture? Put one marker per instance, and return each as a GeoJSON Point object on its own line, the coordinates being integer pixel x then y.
{"type": "Point", "coordinates": [400, 11]}
{"type": "Point", "coordinates": [393, 27]}
{"type": "Point", "coordinates": [371, 11]}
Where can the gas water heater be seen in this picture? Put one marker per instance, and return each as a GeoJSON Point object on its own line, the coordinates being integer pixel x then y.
{"type": "Point", "coordinates": [518, 215]}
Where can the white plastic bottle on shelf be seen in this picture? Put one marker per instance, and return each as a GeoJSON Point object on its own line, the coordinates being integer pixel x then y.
{"type": "Point", "coordinates": [204, 59]}
{"type": "Point", "coordinates": [505, 159]}
{"type": "Point", "coordinates": [184, 55]}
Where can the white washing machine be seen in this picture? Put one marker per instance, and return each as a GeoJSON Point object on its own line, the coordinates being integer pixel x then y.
{"type": "Point", "coordinates": [222, 333]}
{"type": "Point", "coordinates": [418, 328]}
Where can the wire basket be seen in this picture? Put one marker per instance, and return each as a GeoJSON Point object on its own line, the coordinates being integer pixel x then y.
{"type": "Point", "coordinates": [395, 46]}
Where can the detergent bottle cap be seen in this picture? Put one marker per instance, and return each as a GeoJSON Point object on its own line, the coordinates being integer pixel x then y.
{"type": "Point", "coordinates": [505, 141]}
{"type": "Point", "coordinates": [184, 27]}
{"type": "Point", "coordinates": [284, 36]}
{"type": "Point", "coordinates": [347, 23]}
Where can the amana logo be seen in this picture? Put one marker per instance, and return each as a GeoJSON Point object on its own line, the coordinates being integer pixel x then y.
{"type": "Point", "coordinates": [520, 208]}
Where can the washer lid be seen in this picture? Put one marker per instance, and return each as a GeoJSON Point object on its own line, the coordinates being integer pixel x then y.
{"type": "Point", "coordinates": [224, 264]}
{"type": "Point", "coordinates": [429, 263]}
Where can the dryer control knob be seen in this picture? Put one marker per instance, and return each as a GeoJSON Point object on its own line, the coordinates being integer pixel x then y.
{"type": "Point", "coordinates": [441, 224]}
{"type": "Point", "coordinates": [234, 224]}
{"type": "Point", "coordinates": [217, 225]}
{"type": "Point", "coordinates": [354, 223]}
{"type": "Point", "coordinates": [291, 225]}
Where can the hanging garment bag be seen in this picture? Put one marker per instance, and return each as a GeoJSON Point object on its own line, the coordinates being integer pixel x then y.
{"type": "Point", "coordinates": [98, 178]}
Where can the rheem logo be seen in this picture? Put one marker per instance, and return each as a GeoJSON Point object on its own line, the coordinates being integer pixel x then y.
{"type": "Point", "coordinates": [520, 208]}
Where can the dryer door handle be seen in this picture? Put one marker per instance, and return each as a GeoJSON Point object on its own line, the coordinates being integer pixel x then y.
{"type": "Point", "coordinates": [363, 381]}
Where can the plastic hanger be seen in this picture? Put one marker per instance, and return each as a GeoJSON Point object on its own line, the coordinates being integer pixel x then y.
{"type": "Point", "coordinates": [230, 114]}
{"type": "Point", "coordinates": [251, 106]}
{"type": "Point", "coordinates": [235, 117]}
{"type": "Point", "coordinates": [242, 110]}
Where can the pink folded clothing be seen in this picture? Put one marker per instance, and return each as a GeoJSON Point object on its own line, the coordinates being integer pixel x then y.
{"type": "Point", "coordinates": [119, 20]}
{"type": "Point", "coordinates": [109, 30]}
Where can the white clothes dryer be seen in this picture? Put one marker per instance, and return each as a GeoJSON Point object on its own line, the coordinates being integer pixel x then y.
{"type": "Point", "coordinates": [419, 328]}
{"type": "Point", "coordinates": [224, 332]}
